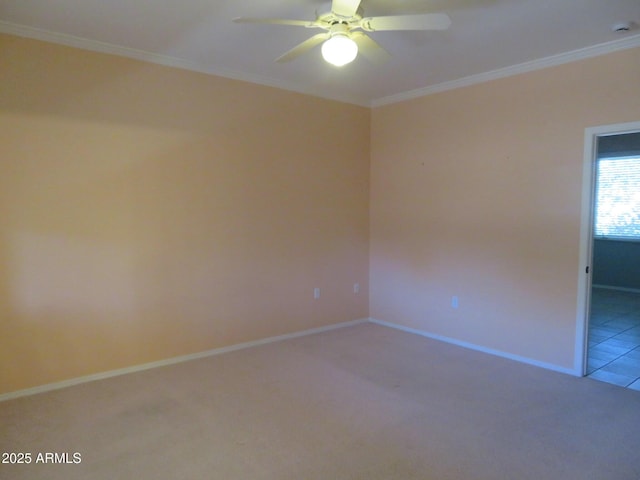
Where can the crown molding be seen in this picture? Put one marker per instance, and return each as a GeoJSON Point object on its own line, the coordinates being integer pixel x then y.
{"type": "Point", "coordinates": [567, 57]}
{"type": "Point", "coordinates": [164, 60]}
{"type": "Point", "coordinates": [169, 61]}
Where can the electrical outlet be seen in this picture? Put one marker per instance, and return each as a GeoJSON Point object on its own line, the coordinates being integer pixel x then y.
{"type": "Point", "coordinates": [454, 302]}
{"type": "Point", "coordinates": [316, 293]}
{"type": "Point", "coordinates": [356, 288]}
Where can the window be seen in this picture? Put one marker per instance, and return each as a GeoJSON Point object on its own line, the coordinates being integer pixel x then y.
{"type": "Point", "coordinates": [618, 198]}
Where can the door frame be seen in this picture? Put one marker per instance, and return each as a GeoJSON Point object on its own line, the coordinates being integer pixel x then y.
{"type": "Point", "coordinates": [586, 235]}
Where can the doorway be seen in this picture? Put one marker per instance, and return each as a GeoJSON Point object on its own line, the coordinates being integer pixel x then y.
{"type": "Point", "coordinates": [609, 282]}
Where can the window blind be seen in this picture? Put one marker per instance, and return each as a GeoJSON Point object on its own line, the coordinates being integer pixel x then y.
{"type": "Point", "coordinates": [617, 212]}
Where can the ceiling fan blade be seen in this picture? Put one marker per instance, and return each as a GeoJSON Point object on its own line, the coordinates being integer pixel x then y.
{"type": "Point", "coordinates": [303, 47]}
{"type": "Point", "coordinates": [426, 21]}
{"type": "Point", "coordinates": [345, 8]}
{"type": "Point", "coordinates": [369, 48]}
{"type": "Point", "coordinates": [277, 21]}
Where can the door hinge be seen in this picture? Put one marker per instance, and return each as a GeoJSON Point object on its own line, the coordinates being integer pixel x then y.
{"type": "Point", "coordinates": [587, 269]}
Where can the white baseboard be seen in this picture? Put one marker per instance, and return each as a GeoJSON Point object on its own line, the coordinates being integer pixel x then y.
{"type": "Point", "coordinates": [472, 346]}
{"type": "Point", "coordinates": [170, 361]}
{"type": "Point", "coordinates": [613, 287]}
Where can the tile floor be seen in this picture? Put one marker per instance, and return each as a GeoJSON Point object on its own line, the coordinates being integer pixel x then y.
{"type": "Point", "coordinates": [614, 337]}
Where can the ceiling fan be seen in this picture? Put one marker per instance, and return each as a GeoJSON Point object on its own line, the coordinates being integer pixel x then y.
{"type": "Point", "coordinates": [345, 34]}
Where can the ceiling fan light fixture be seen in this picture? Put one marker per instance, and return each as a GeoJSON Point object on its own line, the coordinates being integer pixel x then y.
{"type": "Point", "coordinates": [339, 50]}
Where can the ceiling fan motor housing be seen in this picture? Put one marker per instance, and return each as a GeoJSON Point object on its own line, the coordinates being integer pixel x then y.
{"type": "Point", "coordinates": [339, 29]}
{"type": "Point", "coordinates": [331, 18]}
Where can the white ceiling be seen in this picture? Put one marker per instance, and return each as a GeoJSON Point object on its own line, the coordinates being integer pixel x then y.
{"type": "Point", "coordinates": [487, 38]}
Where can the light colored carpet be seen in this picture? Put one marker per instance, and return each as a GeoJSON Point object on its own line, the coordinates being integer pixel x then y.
{"type": "Point", "coordinates": [363, 402]}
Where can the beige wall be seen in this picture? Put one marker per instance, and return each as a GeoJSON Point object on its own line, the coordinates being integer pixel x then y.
{"type": "Point", "coordinates": [476, 192]}
{"type": "Point", "coordinates": [148, 212]}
